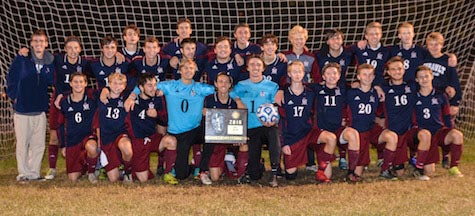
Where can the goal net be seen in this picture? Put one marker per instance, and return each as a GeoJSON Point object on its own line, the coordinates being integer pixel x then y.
{"type": "Point", "coordinates": [91, 20]}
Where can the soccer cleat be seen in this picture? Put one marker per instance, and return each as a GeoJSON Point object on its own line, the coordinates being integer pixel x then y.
{"type": "Point", "coordinates": [204, 177]}
{"type": "Point", "coordinates": [445, 163]}
{"type": "Point", "coordinates": [160, 171]}
{"type": "Point", "coordinates": [388, 175]}
{"type": "Point", "coordinates": [321, 177]}
{"type": "Point", "coordinates": [50, 174]}
{"type": "Point", "coordinates": [343, 165]}
{"type": "Point", "coordinates": [102, 174]}
{"type": "Point", "coordinates": [92, 178]}
{"type": "Point", "coordinates": [380, 162]}
{"type": "Point", "coordinates": [127, 178]}
{"type": "Point", "coordinates": [169, 178]}
{"type": "Point", "coordinates": [353, 178]}
{"type": "Point", "coordinates": [244, 179]}
{"type": "Point", "coordinates": [454, 171]}
{"type": "Point", "coordinates": [196, 173]}
{"type": "Point", "coordinates": [419, 174]}
{"type": "Point", "coordinates": [312, 168]}
{"type": "Point", "coordinates": [273, 181]}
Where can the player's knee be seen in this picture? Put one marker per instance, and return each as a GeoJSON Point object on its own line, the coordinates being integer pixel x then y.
{"type": "Point", "coordinates": [291, 176]}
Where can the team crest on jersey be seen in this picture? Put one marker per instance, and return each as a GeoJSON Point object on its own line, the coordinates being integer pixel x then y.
{"type": "Point", "coordinates": [304, 101]}
{"type": "Point", "coordinates": [274, 70]}
{"type": "Point", "coordinates": [79, 68]}
{"type": "Point", "coordinates": [342, 62]}
{"type": "Point", "coordinates": [159, 70]}
{"type": "Point", "coordinates": [337, 92]}
{"type": "Point", "coordinates": [290, 102]}
{"type": "Point", "coordinates": [65, 67]}
{"type": "Point", "coordinates": [413, 54]}
{"type": "Point", "coordinates": [120, 103]}
{"type": "Point", "coordinates": [102, 72]}
{"type": "Point", "coordinates": [230, 66]}
{"type": "Point", "coordinates": [435, 101]}
{"type": "Point", "coordinates": [262, 94]}
{"type": "Point", "coordinates": [379, 56]}
{"type": "Point", "coordinates": [85, 106]}
{"type": "Point", "coordinates": [193, 93]}
{"type": "Point", "coordinates": [407, 89]}
{"type": "Point", "coordinates": [151, 105]}
{"type": "Point", "coordinates": [214, 67]}
{"type": "Point", "coordinates": [365, 54]}
{"type": "Point", "coordinates": [357, 98]}
{"type": "Point", "coordinates": [118, 70]}
{"type": "Point", "coordinates": [305, 63]}
{"type": "Point", "coordinates": [372, 99]}
{"type": "Point", "coordinates": [70, 109]}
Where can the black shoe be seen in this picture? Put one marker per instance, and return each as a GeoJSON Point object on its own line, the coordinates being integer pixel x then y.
{"type": "Point", "coordinates": [160, 171]}
{"type": "Point", "coordinates": [244, 179]}
{"type": "Point", "coordinates": [445, 162]}
{"type": "Point", "coordinates": [388, 175]}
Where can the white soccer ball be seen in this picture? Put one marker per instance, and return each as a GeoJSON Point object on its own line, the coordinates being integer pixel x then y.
{"type": "Point", "coordinates": [267, 113]}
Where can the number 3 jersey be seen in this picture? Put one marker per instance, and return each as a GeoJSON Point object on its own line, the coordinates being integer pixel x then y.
{"type": "Point", "coordinates": [78, 117]}
{"type": "Point", "coordinates": [139, 124]}
{"type": "Point", "coordinates": [432, 112]}
{"type": "Point", "coordinates": [398, 105]}
{"type": "Point", "coordinates": [111, 119]}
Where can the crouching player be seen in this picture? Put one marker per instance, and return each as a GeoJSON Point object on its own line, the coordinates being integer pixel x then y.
{"type": "Point", "coordinates": [432, 113]}
{"type": "Point", "coordinates": [110, 119]}
{"type": "Point", "coordinates": [297, 124]}
{"type": "Point", "coordinates": [141, 126]}
{"type": "Point", "coordinates": [77, 110]}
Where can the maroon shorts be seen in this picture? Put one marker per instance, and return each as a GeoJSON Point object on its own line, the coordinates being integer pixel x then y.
{"type": "Point", "coordinates": [436, 141]}
{"type": "Point", "coordinates": [141, 148]}
{"type": "Point", "coordinates": [401, 155]}
{"type": "Point", "coordinates": [112, 152]}
{"type": "Point", "coordinates": [298, 150]}
{"type": "Point", "coordinates": [217, 158]}
{"type": "Point", "coordinates": [76, 156]}
{"type": "Point", "coordinates": [366, 138]}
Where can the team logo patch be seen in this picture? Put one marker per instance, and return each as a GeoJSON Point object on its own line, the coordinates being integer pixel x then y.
{"type": "Point", "coordinates": [342, 62]}
{"type": "Point", "coordinates": [413, 54]}
{"type": "Point", "coordinates": [435, 101]}
{"type": "Point", "coordinates": [120, 104]}
{"type": "Point", "coordinates": [230, 66]}
{"type": "Point", "coordinates": [305, 63]}
{"type": "Point", "coordinates": [85, 106]}
{"type": "Point", "coordinates": [372, 99]}
{"type": "Point", "coordinates": [118, 70]}
{"type": "Point", "coordinates": [337, 92]}
{"type": "Point", "coordinates": [262, 94]}
{"type": "Point", "coordinates": [304, 101]}
{"type": "Point", "coordinates": [151, 105]}
{"type": "Point", "coordinates": [193, 93]}
{"type": "Point", "coordinates": [79, 68]}
{"type": "Point", "coordinates": [407, 89]}
{"type": "Point", "coordinates": [274, 70]}
{"type": "Point", "coordinates": [159, 70]}
{"type": "Point", "coordinates": [379, 56]}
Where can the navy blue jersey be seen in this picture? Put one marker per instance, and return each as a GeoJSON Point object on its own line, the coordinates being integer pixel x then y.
{"type": "Point", "coordinates": [200, 62]}
{"type": "Point", "coordinates": [398, 105]}
{"type": "Point", "coordinates": [312, 75]}
{"type": "Point", "coordinates": [212, 101]}
{"type": "Point", "coordinates": [444, 76]}
{"type": "Point", "coordinates": [78, 118]}
{"type": "Point", "coordinates": [298, 115]}
{"type": "Point", "coordinates": [102, 72]}
{"type": "Point", "coordinates": [173, 49]}
{"type": "Point", "coordinates": [376, 57]}
{"type": "Point", "coordinates": [111, 119]}
{"type": "Point", "coordinates": [344, 59]}
{"type": "Point", "coordinates": [129, 56]}
{"type": "Point", "coordinates": [432, 112]}
{"type": "Point", "coordinates": [276, 72]}
{"type": "Point", "coordinates": [63, 69]}
{"type": "Point", "coordinates": [362, 108]}
{"type": "Point", "coordinates": [139, 124]}
{"type": "Point", "coordinates": [251, 48]}
{"type": "Point", "coordinates": [330, 107]}
{"type": "Point", "coordinates": [231, 68]}
{"type": "Point", "coordinates": [413, 58]}
{"type": "Point", "coordinates": [140, 66]}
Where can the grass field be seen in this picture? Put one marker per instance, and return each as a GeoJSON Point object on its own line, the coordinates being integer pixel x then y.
{"type": "Point", "coordinates": [442, 195]}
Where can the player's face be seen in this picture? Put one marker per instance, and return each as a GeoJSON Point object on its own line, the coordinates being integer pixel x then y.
{"type": "Point", "coordinates": [149, 88]}
{"type": "Point", "coordinates": [366, 77]}
{"type": "Point", "coordinates": [255, 67]}
{"type": "Point", "coordinates": [331, 76]}
{"type": "Point", "coordinates": [298, 41]}
{"type": "Point", "coordinates": [78, 84]}
{"type": "Point", "coordinates": [184, 30]}
{"type": "Point", "coordinates": [373, 35]}
{"type": "Point", "coordinates": [396, 71]}
{"type": "Point", "coordinates": [39, 43]}
{"type": "Point", "coordinates": [406, 35]}
{"type": "Point", "coordinates": [223, 83]}
{"type": "Point", "coordinates": [269, 48]}
{"type": "Point", "coordinates": [188, 50]}
{"type": "Point", "coordinates": [223, 49]}
{"type": "Point", "coordinates": [131, 37]}
{"type": "Point", "coordinates": [151, 49]}
{"type": "Point", "coordinates": [424, 78]}
{"type": "Point", "coordinates": [188, 71]}
{"type": "Point", "coordinates": [109, 50]}
{"type": "Point", "coordinates": [434, 47]}
{"type": "Point", "coordinates": [117, 86]}
{"type": "Point", "coordinates": [335, 42]}
{"type": "Point", "coordinates": [296, 73]}
{"type": "Point", "coordinates": [73, 49]}
{"type": "Point", "coordinates": [242, 35]}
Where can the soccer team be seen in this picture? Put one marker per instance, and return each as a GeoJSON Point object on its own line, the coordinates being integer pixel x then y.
{"type": "Point", "coordinates": [152, 99]}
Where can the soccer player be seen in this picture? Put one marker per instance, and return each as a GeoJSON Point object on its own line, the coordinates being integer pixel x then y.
{"type": "Point", "coordinates": [363, 103]}
{"type": "Point", "coordinates": [221, 100]}
{"type": "Point", "coordinates": [141, 123]}
{"type": "Point", "coordinates": [27, 86]}
{"type": "Point", "coordinates": [276, 69]}
{"type": "Point", "coordinates": [184, 30]}
{"type": "Point", "coordinates": [254, 92]}
{"type": "Point", "coordinates": [242, 46]}
{"type": "Point", "coordinates": [131, 37]}
{"type": "Point", "coordinates": [188, 51]}
{"type": "Point", "coordinates": [152, 62]}
{"type": "Point", "coordinates": [297, 114]}
{"type": "Point", "coordinates": [298, 37]}
{"type": "Point", "coordinates": [77, 111]}
{"type": "Point", "coordinates": [223, 62]}
{"type": "Point", "coordinates": [110, 119]}
{"type": "Point", "coordinates": [432, 115]}
{"type": "Point", "coordinates": [331, 103]}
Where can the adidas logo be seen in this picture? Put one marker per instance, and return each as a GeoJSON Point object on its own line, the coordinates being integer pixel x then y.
{"type": "Point", "coordinates": [64, 67]}
{"type": "Point", "coordinates": [391, 91]}
{"type": "Point", "coordinates": [177, 52]}
{"type": "Point", "coordinates": [365, 54]}
{"type": "Point", "coordinates": [214, 67]}
{"type": "Point", "coordinates": [102, 73]}
{"type": "Point", "coordinates": [419, 103]}
{"type": "Point", "coordinates": [290, 102]}
{"type": "Point", "coordinates": [321, 92]}
{"type": "Point", "coordinates": [357, 98]}
{"type": "Point", "coordinates": [70, 109]}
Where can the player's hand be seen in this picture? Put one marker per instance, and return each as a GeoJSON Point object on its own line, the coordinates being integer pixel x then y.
{"type": "Point", "coordinates": [380, 92]}
{"type": "Point", "coordinates": [361, 44]}
{"type": "Point", "coordinates": [159, 93]}
{"type": "Point", "coordinates": [239, 59]}
{"type": "Point", "coordinates": [23, 51]}
{"type": "Point", "coordinates": [286, 150]}
{"type": "Point", "coordinates": [269, 124]}
{"type": "Point", "coordinates": [104, 97]}
{"type": "Point", "coordinates": [454, 110]}
{"type": "Point", "coordinates": [452, 60]}
{"type": "Point", "coordinates": [450, 91]}
{"type": "Point", "coordinates": [174, 62]}
{"type": "Point", "coordinates": [129, 103]}
{"type": "Point", "coordinates": [279, 97]}
{"type": "Point", "coordinates": [240, 104]}
{"type": "Point", "coordinates": [58, 99]}
{"type": "Point", "coordinates": [282, 57]}
{"type": "Point", "coordinates": [152, 112]}
{"type": "Point", "coordinates": [119, 57]}
{"type": "Point", "coordinates": [63, 152]}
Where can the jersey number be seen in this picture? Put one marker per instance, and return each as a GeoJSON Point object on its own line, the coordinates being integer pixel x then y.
{"type": "Point", "coordinates": [372, 62]}
{"type": "Point", "coordinates": [113, 113]}
{"type": "Point", "coordinates": [66, 80]}
{"type": "Point", "coordinates": [364, 108]}
{"type": "Point", "coordinates": [330, 100]}
{"type": "Point", "coordinates": [78, 117]}
{"type": "Point", "coordinates": [426, 112]}
{"type": "Point", "coordinates": [298, 111]}
{"type": "Point", "coordinates": [184, 105]}
{"type": "Point", "coordinates": [400, 100]}
{"type": "Point", "coordinates": [142, 114]}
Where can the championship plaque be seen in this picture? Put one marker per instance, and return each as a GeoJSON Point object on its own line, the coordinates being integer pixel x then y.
{"type": "Point", "coordinates": [226, 126]}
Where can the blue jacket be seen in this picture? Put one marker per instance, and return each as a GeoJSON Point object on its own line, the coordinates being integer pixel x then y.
{"type": "Point", "coordinates": [28, 88]}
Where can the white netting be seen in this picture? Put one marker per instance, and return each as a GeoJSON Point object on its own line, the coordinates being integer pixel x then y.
{"type": "Point", "coordinates": [91, 20]}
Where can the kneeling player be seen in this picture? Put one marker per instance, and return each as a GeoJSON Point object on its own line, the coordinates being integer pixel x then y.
{"type": "Point", "coordinates": [298, 131]}
{"type": "Point", "coordinates": [432, 111]}
{"type": "Point", "coordinates": [141, 126]}
{"type": "Point", "coordinates": [77, 109]}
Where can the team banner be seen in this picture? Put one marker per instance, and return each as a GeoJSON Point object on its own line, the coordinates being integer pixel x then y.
{"type": "Point", "coordinates": [226, 126]}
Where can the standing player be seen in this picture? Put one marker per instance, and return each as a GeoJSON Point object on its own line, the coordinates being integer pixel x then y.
{"type": "Point", "coordinates": [184, 30]}
{"type": "Point", "coordinates": [27, 86]}
{"type": "Point", "coordinates": [276, 69]}
{"type": "Point", "coordinates": [223, 62]}
{"type": "Point", "coordinates": [242, 46]}
{"type": "Point", "coordinates": [432, 113]}
{"type": "Point", "coordinates": [152, 62]}
{"type": "Point", "coordinates": [331, 105]}
{"type": "Point", "coordinates": [131, 37]}
{"type": "Point", "coordinates": [297, 114]}
{"type": "Point", "coordinates": [254, 92]}
{"type": "Point", "coordinates": [188, 51]}
{"type": "Point", "coordinates": [141, 123]}
{"type": "Point", "coordinates": [77, 110]}
{"type": "Point", "coordinates": [110, 119]}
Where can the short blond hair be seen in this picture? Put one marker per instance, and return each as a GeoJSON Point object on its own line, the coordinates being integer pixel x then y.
{"type": "Point", "coordinates": [186, 61]}
{"type": "Point", "coordinates": [364, 67]}
{"type": "Point", "coordinates": [298, 29]}
{"type": "Point", "coordinates": [435, 36]}
{"type": "Point", "coordinates": [405, 25]}
{"type": "Point", "coordinates": [296, 63]}
{"type": "Point", "coordinates": [118, 76]}
{"type": "Point", "coordinates": [371, 25]}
